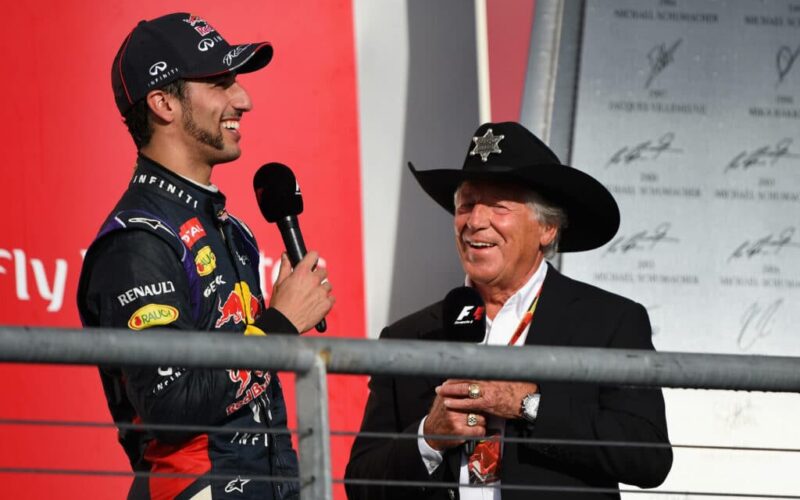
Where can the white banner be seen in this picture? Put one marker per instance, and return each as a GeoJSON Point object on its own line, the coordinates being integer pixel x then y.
{"type": "Point", "coordinates": [689, 112]}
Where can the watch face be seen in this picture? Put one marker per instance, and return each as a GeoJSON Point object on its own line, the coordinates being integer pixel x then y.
{"type": "Point", "coordinates": [531, 406]}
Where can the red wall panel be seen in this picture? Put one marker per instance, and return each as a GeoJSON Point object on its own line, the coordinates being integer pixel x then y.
{"type": "Point", "coordinates": [67, 158]}
{"type": "Point", "coordinates": [509, 24]}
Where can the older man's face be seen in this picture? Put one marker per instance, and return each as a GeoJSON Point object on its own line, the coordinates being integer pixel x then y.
{"type": "Point", "coordinates": [498, 237]}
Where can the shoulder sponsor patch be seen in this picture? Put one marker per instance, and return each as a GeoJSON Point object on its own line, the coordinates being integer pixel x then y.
{"type": "Point", "coordinates": [191, 231]}
{"type": "Point", "coordinates": [214, 285]}
{"type": "Point", "coordinates": [206, 261]}
{"type": "Point", "coordinates": [150, 290]}
{"type": "Point", "coordinates": [152, 315]}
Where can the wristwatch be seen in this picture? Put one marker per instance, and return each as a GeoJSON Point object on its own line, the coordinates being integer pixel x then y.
{"type": "Point", "coordinates": [530, 406]}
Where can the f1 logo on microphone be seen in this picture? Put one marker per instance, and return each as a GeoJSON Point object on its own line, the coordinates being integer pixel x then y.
{"type": "Point", "coordinates": [476, 315]}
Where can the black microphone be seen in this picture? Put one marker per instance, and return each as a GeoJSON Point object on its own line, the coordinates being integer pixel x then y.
{"type": "Point", "coordinates": [280, 201]}
{"type": "Point", "coordinates": [464, 316]}
{"type": "Point", "coordinates": [464, 320]}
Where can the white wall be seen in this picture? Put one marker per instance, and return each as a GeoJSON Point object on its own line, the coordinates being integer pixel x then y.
{"type": "Point", "coordinates": [417, 102]}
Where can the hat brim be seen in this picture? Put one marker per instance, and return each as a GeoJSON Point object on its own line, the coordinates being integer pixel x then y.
{"type": "Point", "coordinates": [257, 59]}
{"type": "Point", "coordinates": [592, 213]}
{"type": "Point", "coordinates": [253, 57]}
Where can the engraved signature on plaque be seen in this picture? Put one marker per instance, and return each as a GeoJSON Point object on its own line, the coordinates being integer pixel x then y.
{"type": "Point", "coordinates": [756, 322]}
{"type": "Point", "coordinates": [660, 57]}
{"type": "Point", "coordinates": [784, 60]}
{"type": "Point", "coordinates": [643, 240]}
{"type": "Point", "coordinates": [764, 156]}
{"type": "Point", "coordinates": [770, 244]}
{"type": "Point", "coordinates": [647, 150]}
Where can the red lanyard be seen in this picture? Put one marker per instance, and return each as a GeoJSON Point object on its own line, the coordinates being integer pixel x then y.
{"type": "Point", "coordinates": [526, 320]}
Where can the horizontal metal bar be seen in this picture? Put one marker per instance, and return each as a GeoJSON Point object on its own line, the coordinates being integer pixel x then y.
{"type": "Point", "coordinates": [206, 429]}
{"type": "Point", "coordinates": [379, 357]}
{"type": "Point", "coordinates": [566, 442]}
{"type": "Point", "coordinates": [109, 346]}
{"type": "Point", "coordinates": [381, 435]}
{"type": "Point", "coordinates": [120, 473]}
{"type": "Point", "coordinates": [559, 489]}
{"type": "Point", "coordinates": [382, 482]}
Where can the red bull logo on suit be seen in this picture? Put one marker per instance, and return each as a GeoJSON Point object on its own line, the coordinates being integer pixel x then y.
{"type": "Point", "coordinates": [240, 306]}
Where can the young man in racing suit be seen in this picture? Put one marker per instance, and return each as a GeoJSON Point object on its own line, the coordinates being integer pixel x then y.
{"type": "Point", "coordinates": [170, 256]}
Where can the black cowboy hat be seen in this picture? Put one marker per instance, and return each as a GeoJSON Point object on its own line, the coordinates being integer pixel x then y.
{"type": "Point", "coordinates": [508, 152]}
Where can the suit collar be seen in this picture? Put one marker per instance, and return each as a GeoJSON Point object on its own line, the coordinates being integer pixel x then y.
{"type": "Point", "coordinates": [154, 177]}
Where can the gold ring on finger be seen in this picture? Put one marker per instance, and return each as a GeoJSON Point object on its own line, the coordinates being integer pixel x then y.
{"type": "Point", "coordinates": [474, 391]}
{"type": "Point", "coordinates": [472, 420]}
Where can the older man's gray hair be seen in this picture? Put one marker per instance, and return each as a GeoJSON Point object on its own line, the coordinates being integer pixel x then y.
{"type": "Point", "coordinates": [547, 214]}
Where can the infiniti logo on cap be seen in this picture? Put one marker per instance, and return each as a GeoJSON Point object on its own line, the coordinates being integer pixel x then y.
{"type": "Point", "coordinates": [205, 44]}
{"type": "Point", "coordinates": [157, 68]}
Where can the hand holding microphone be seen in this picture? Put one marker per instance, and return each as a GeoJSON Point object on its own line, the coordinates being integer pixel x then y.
{"type": "Point", "coordinates": [303, 294]}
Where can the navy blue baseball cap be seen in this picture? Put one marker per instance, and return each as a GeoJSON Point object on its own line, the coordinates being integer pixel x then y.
{"type": "Point", "coordinates": [174, 46]}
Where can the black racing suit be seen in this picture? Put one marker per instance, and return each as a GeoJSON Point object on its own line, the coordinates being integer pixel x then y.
{"type": "Point", "coordinates": [170, 256]}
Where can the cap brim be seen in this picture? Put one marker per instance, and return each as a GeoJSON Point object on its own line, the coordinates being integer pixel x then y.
{"type": "Point", "coordinates": [259, 57]}
{"type": "Point", "coordinates": [592, 213]}
{"type": "Point", "coordinates": [252, 57]}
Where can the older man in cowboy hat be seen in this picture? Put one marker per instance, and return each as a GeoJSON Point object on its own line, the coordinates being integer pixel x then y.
{"type": "Point", "coordinates": [514, 204]}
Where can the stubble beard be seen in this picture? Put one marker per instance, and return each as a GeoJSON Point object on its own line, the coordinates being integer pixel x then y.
{"type": "Point", "coordinates": [200, 135]}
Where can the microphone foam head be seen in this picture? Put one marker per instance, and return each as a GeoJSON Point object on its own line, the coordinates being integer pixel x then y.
{"type": "Point", "coordinates": [277, 192]}
{"type": "Point", "coordinates": [464, 315]}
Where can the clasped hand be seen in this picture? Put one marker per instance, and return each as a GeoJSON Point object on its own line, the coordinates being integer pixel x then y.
{"type": "Point", "coordinates": [452, 406]}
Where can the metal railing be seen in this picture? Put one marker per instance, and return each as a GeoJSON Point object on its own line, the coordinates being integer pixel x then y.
{"type": "Point", "coordinates": [312, 358]}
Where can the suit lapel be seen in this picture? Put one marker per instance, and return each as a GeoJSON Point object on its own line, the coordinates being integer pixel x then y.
{"type": "Point", "coordinates": [436, 334]}
{"type": "Point", "coordinates": [549, 326]}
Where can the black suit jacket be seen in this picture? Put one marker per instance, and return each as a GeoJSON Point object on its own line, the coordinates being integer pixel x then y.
{"type": "Point", "coordinates": [569, 313]}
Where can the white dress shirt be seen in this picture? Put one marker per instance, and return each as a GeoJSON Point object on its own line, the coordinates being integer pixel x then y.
{"type": "Point", "coordinates": [498, 332]}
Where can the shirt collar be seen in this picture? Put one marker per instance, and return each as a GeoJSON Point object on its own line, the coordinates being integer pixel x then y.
{"type": "Point", "coordinates": [519, 303]}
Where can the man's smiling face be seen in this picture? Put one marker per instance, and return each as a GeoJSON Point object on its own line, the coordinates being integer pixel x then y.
{"type": "Point", "coordinates": [212, 110]}
{"type": "Point", "coordinates": [498, 235]}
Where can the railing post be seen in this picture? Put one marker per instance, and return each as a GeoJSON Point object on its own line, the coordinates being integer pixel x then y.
{"type": "Point", "coordinates": [314, 432]}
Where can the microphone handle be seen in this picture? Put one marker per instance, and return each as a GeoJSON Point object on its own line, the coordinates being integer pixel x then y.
{"type": "Point", "coordinates": [289, 227]}
{"type": "Point", "coordinates": [292, 239]}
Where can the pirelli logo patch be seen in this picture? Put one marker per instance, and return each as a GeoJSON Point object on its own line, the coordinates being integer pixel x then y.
{"type": "Point", "coordinates": [152, 315]}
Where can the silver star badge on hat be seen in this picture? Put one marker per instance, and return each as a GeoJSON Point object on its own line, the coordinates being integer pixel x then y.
{"type": "Point", "coordinates": [486, 145]}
